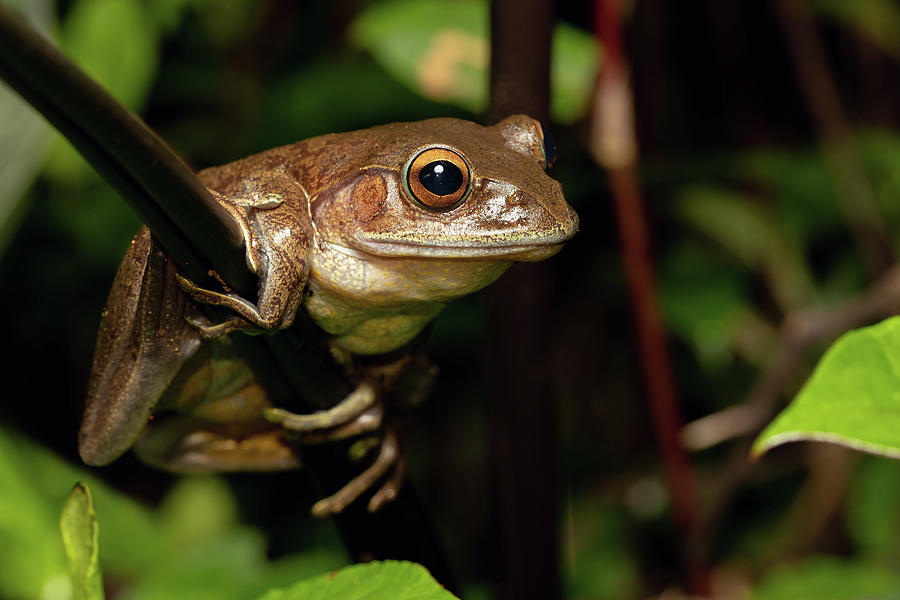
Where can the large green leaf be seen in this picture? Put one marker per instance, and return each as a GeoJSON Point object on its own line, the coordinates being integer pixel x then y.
{"type": "Point", "coordinates": [78, 525]}
{"type": "Point", "coordinates": [852, 397]}
{"type": "Point", "coordinates": [388, 580]}
{"type": "Point", "coordinates": [442, 51]}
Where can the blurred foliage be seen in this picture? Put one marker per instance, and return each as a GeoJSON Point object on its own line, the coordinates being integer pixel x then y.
{"type": "Point", "coordinates": [877, 20]}
{"type": "Point", "coordinates": [828, 578]}
{"type": "Point", "coordinates": [24, 136]}
{"type": "Point", "coordinates": [116, 43]}
{"type": "Point", "coordinates": [443, 51]}
{"type": "Point", "coordinates": [747, 228]}
{"type": "Point", "coordinates": [191, 546]}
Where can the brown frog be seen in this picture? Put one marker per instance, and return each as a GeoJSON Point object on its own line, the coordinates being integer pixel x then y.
{"type": "Point", "coordinates": [371, 232]}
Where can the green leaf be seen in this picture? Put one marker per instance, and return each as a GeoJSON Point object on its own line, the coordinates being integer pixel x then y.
{"type": "Point", "coordinates": [829, 578]}
{"type": "Point", "coordinates": [81, 540]}
{"type": "Point", "coordinates": [34, 484]}
{"type": "Point", "coordinates": [442, 51]}
{"type": "Point", "coordinates": [174, 552]}
{"type": "Point", "coordinates": [387, 580]}
{"type": "Point", "coordinates": [852, 397]}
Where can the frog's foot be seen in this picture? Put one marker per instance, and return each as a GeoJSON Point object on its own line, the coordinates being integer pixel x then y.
{"type": "Point", "coordinates": [359, 413]}
{"type": "Point", "coordinates": [352, 414]}
{"type": "Point", "coordinates": [390, 458]}
{"type": "Point", "coordinates": [242, 307]}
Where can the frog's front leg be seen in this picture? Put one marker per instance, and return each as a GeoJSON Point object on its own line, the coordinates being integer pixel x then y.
{"type": "Point", "coordinates": [272, 214]}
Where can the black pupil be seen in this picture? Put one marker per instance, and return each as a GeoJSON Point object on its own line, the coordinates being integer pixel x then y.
{"type": "Point", "coordinates": [441, 177]}
{"type": "Point", "coordinates": [549, 147]}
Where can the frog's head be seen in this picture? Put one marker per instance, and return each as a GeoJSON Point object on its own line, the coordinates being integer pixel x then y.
{"type": "Point", "coordinates": [446, 188]}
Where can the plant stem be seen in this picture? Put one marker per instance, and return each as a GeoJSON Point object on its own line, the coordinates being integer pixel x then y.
{"type": "Point", "coordinates": [614, 146]}
{"type": "Point", "coordinates": [524, 416]}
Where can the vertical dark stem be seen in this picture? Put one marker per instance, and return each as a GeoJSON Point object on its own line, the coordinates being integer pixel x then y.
{"type": "Point", "coordinates": [614, 146]}
{"type": "Point", "coordinates": [524, 417]}
{"type": "Point", "coordinates": [520, 58]}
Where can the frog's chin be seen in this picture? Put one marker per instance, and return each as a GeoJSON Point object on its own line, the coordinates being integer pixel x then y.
{"type": "Point", "coordinates": [510, 253]}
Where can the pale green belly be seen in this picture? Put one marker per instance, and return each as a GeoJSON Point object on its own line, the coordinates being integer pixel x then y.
{"type": "Point", "coordinates": [372, 330]}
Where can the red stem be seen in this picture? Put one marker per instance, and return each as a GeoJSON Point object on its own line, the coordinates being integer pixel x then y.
{"type": "Point", "coordinates": [619, 159]}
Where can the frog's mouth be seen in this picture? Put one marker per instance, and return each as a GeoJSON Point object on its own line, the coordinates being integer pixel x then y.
{"type": "Point", "coordinates": [506, 247]}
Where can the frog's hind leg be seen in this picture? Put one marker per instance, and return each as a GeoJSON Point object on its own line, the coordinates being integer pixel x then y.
{"type": "Point", "coordinates": [359, 413]}
{"type": "Point", "coordinates": [141, 346]}
{"type": "Point", "coordinates": [188, 445]}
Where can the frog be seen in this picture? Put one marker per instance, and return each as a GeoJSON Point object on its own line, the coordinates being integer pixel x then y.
{"type": "Point", "coordinates": [370, 233]}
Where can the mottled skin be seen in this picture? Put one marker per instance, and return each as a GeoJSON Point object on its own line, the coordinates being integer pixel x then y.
{"type": "Point", "coordinates": [329, 224]}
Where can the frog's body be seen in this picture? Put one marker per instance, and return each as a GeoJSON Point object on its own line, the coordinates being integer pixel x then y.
{"type": "Point", "coordinates": [370, 232]}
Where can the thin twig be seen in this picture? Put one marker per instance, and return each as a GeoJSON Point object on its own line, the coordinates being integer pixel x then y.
{"type": "Point", "coordinates": [799, 332]}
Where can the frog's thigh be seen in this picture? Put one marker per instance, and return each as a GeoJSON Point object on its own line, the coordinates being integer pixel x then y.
{"type": "Point", "coordinates": [181, 445]}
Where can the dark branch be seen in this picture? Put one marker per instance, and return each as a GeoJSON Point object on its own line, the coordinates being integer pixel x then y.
{"type": "Point", "coordinates": [524, 415]}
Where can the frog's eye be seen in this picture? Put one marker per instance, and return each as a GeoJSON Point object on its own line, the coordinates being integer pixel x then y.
{"type": "Point", "coordinates": [547, 147]}
{"type": "Point", "coordinates": [438, 177]}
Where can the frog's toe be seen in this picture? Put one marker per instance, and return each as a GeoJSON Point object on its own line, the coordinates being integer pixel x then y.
{"type": "Point", "coordinates": [245, 309]}
{"type": "Point", "coordinates": [341, 417]}
{"type": "Point", "coordinates": [391, 488]}
{"type": "Point", "coordinates": [210, 330]}
{"type": "Point", "coordinates": [388, 457]}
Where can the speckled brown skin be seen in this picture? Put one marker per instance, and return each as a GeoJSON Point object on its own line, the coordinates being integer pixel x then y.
{"type": "Point", "coordinates": [329, 224]}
